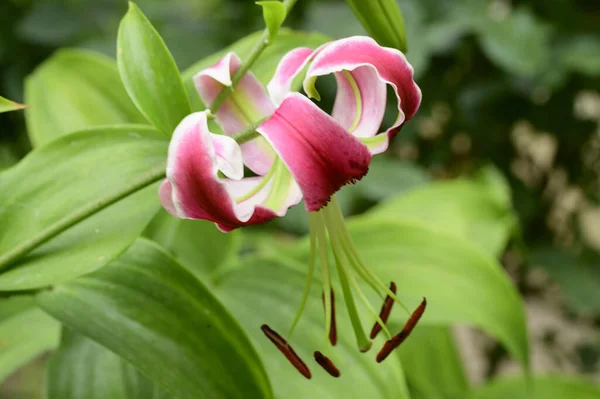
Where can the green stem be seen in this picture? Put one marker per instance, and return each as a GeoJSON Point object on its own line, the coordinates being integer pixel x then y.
{"type": "Point", "coordinates": [153, 175]}
{"type": "Point", "coordinates": [259, 47]}
{"type": "Point", "coordinates": [249, 134]}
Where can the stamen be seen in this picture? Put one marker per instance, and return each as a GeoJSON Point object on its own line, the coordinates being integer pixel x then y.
{"type": "Point", "coordinates": [333, 330]}
{"type": "Point", "coordinates": [287, 350]}
{"type": "Point", "coordinates": [356, 261]}
{"type": "Point", "coordinates": [364, 344]}
{"type": "Point", "coordinates": [397, 339]}
{"type": "Point", "coordinates": [386, 309]}
{"type": "Point", "coordinates": [327, 364]}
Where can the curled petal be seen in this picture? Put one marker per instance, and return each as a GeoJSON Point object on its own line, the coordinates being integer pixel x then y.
{"type": "Point", "coordinates": [193, 189]}
{"type": "Point", "coordinates": [289, 67]}
{"type": "Point", "coordinates": [356, 54]}
{"type": "Point", "coordinates": [319, 153]}
{"type": "Point", "coordinates": [247, 105]}
{"type": "Point", "coordinates": [360, 101]}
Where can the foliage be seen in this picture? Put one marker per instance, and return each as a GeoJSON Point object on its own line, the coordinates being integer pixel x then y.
{"type": "Point", "coordinates": [497, 174]}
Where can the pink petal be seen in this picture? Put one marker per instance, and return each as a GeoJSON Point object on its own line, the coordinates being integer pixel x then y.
{"type": "Point", "coordinates": [389, 65]}
{"type": "Point", "coordinates": [247, 105]}
{"type": "Point", "coordinates": [290, 65]}
{"type": "Point", "coordinates": [193, 189]}
{"type": "Point", "coordinates": [319, 153]}
{"type": "Point", "coordinates": [361, 116]}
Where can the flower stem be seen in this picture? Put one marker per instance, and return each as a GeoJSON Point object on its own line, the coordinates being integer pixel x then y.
{"type": "Point", "coordinates": [153, 175]}
{"type": "Point", "coordinates": [259, 47]}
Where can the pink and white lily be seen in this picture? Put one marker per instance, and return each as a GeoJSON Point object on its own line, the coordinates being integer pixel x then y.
{"type": "Point", "coordinates": [300, 152]}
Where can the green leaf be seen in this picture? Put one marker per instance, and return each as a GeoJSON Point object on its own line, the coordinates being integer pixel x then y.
{"type": "Point", "coordinates": [578, 279]}
{"type": "Point", "coordinates": [461, 282]}
{"type": "Point", "coordinates": [151, 311]}
{"type": "Point", "coordinates": [581, 54]}
{"type": "Point", "coordinates": [274, 15]}
{"type": "Point", "coordinates": [546, 387]}
{"type": "Point", "coordinates": [82, 369]}
{"type": "Point", "coordinates": [388, 176]}
{"type": "Point", "coordinates": [149, 72]}
{"type": "Point", "coordinates": [196, 244]}
{"type": "Point", "coordinates": [263, 68]}
{"type": "Point", "coordinates": [461, 207]}
{"type": "Point", "coordinates": [25, 332]}
{"type": "Point", "coordinates": [68, 181]}
{"type": "Point", "coordinates": [7, 105]}
{"type": "Point", "coordinates": [75, 90]}
{"type": "Point", "coordinates": [432, 364]}
{"type": "Point", "coordinates": [519, 43]}
{"type": "Point", "coordinates": [383, 20]}
{"type": "Point", "coordinates": [268, 290]}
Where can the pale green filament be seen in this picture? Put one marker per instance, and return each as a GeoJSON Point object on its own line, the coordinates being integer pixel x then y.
{"type": "Point", "coordinates": [313, 219]}
{"type": "Point", "coordinates": [357, 99]}
{"type": "Point", "coordinates": [363, 342]}
{"type": "Point", "coordinates": [323, 257]}
{"type": "Point", "coordinates": [260, 185]}
{"type": "Point", "coordinates": [340, 254]}
{"type": "Point", "coordinates": [356, 260]}
{"type": "Point", "coordinates": [361, 338]}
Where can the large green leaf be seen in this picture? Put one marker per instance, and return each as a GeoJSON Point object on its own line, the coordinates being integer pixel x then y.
{"type": "Point", "coordinates": [149, 72]}
{"type": "Point", "coordinates": [462, 283]}
{"type": "Point", "coordinates": [464, 208]}
{"type": "Point", "coordinates": [151, 311]}
{"type": "Point", "coordinates": [268, 290]}
{"type": "Point", "coordinates": [83, 369]}
{"type": "Point", "coordinates": [196, 244]}
{"type": "Point", "coordinates": [25, 332]}
{"type": "Point", "coordinates": [41, 238]}
{"type": "Point", "coordinates": [265, 66]}
{"type": "Point", "coordinates": [432, 364]}
{"type": "Point", "coordinates": [75, 90]}
{"type": "Point", "coordinates": [547, 387]}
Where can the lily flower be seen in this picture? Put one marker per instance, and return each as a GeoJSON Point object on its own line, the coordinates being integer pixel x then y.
{"type": "Point", "coordinates": [298, 152]}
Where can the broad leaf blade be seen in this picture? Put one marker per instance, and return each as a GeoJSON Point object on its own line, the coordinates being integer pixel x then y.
{"type": "Point", "coordinates": [432, 364]}
{"type": "Point", "coordinates": [149, 72]}
{"type": "Point", "coordinates": [25, 332]}
{"type": "Point", "coordinates": [547, 387]}
{"type": "Point", "coordinates": [196, 244]}
{"type": "Point", "coordinates": [152, 312]}
{"type": "Point", "coordinates": [83, 369]}
{"type": "Point", "coordinates": [462, 283]}
{"type": "Point", "coordinates": [461, 207]}
{"type": "Point", "coordinates": [101, 162]}
{"type": "Point", "coordinates": [75, 90]}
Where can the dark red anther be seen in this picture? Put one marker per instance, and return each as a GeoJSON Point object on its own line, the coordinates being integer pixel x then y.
{"type": "Point", "coordinates": [333, 328]}
{"type": "Point", "coordinates": [397, 339]}
{"type": "Point", "coordinates": [386, 309]}
{"type": "Point", "coordinates": [327, 364]}
{"type": "Point", "coordinates": [287, 350]}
